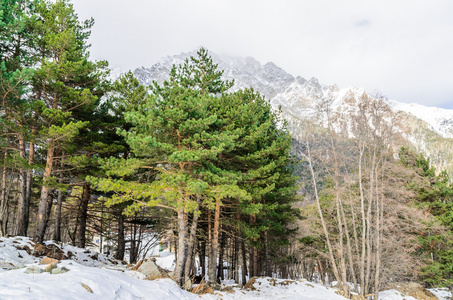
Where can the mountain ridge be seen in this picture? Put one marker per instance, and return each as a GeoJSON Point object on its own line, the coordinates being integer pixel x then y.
{"type": "Point", "coordinates": [430, 128]}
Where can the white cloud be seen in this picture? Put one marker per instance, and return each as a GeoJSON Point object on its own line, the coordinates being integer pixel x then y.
{"type": "Point", "coordinates": [403, 48]}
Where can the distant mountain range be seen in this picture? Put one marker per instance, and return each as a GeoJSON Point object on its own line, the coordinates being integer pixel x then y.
{"type": "Point", "coordinates": [430, 129]}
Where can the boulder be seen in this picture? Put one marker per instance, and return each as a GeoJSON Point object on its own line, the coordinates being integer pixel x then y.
{"type": "Point", "coordinates": [33, 270]}
{"type": "Point", "coordinates": [47, 261]}
{"type": "Point", "coordinates": [151, 270]}
{"type": "Point", "coordinates": [50, 267]}
{"type": "Point", "coordinates": [19, 267]}
{"type": "Point", "coordinates": [60, 270]}
{"type": "Point", "coordinates": [6, 266]}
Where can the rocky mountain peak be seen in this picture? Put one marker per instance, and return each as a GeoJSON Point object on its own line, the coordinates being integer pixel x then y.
{"type": "Point", "coordinates": [431, 128]}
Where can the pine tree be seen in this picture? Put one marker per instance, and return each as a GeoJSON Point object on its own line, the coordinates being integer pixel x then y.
{"type": "Point", "coordinates": [434, 194]}
{"type": "Point", "coordinates": [16, 61]}
{"type": "Point", "coordinates": [192, 146]}
{"type": "Point", "coordinates": [65, 82]}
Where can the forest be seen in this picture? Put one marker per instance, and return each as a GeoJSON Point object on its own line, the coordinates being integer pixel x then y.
{"type": "Point", "coordinates": [213, 173]}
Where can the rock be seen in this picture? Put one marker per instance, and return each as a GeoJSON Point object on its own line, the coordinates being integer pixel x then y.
{"type": "Point", "coordinates": [216, 287]}
{"type": "Point", "coordinates": [33, 270]}
{"type": "Point", "coordinates": [50, 267]}
{"type": "Point", "coordinates": [19, 267]}
{"type": "Point", "coordinates": [47, 261]}
{"type": "Point", "coordinates": [151, 270]}
{"type": "Point", "coordinates": [60, 270]}
{"type": "Point", "coordinates": [6, 266]}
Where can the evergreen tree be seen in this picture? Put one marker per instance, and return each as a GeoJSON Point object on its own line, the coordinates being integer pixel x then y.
{"type": "Point", "coordinates": [435, 194]}
{"type": "Point", "coordinates": [65, 82]}
{"type": "Point", "coordinates": [16, 61]}
{"type": "Point", "coordinates": [196, 145]}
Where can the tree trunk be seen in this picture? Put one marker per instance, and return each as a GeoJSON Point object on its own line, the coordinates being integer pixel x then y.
{"type": "Point", "coordinates": [203, 258]}
{"type": "Point", "coordinates": [343, 270]}
{"type": "Point", "coordinates": [349, 248]}
{"type": "Point", "coordinates": [369, 222]}
{"type": "Point", "coordinates": [215, 244]}
{"type": "Point", "coordinates": [121, 242]}
{"type": "Point", "coordinates": [221, 252]}
{"type": "Point", "coordinates": [44, 200]}
{"type": "Point", "coordinates": [191, 246]}
{"type": "Point", "coordinates": [244, 263]}
{"type": "Point", "coordinates": [81, 237]}
{"type": "Point", "coordinates": [178, 274]}
{"type": "Point", "coordinates": [362, 210]}
{"type": "Point", "coordinates": [23, 205]}
{"type": "Point", "coordinates": [236, 260]}
{"type": "Point", "coordinates": [29, 181]}
{"type": "Point", "coordinates": [57, 233]}
{"type": "Point", "coordinates": [324, 226]}
{"type": "Point", "coordinates": [256, 271]}
{"type": "Point", "coordinates": [379, 217]}
{"type": "Point", "coordinates": [267, 269]}
{"type": "Point", "coordinates": [133, 253]}
{"type": "Point", "coordinates": [3, 202]}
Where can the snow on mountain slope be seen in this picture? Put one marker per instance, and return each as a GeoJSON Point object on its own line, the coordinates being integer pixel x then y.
{"type": "Point", "coordinates": [439, 119]}
{"type": "Point", "coordinates": [297, 96]}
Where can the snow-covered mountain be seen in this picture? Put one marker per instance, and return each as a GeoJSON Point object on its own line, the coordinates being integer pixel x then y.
{"type": "Point", "coordinates": [430, 128]}
{"type": "Point", "coordinates": [439, 119]}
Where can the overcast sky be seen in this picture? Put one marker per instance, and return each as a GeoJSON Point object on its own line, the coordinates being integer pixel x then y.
{"type": "Point", "coordinates": [403, 48]}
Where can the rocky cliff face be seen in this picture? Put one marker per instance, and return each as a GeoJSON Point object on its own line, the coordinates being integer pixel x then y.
{"type": "Point", "coordinates": [428, 129]}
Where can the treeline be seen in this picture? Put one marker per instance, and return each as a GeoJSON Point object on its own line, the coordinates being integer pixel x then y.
{"type": "Point", "coordinates": [81, 155]}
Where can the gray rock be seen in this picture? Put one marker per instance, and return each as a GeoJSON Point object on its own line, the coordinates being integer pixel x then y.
{"type": "Point", "coordinates": [19, 267]}
{"type": "Point", "coordinates": [33, 270]}
{"type": "Point", "coordinates": [59, 270]}
{"type": "Point", "coordinates": [150, 269]}
{"type": "Point", "coordinates": [6, 266]}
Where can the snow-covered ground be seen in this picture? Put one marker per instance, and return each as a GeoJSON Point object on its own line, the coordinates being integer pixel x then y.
{"type": "Point", "coordinates": [92, 276]}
